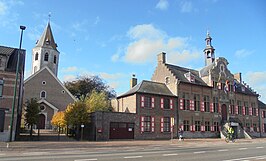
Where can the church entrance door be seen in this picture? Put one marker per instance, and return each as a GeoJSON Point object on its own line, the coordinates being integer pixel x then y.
{"type": "Point", "coordinates": [41, 124]}
{"type": "Point", "coordinates": [224, 113]}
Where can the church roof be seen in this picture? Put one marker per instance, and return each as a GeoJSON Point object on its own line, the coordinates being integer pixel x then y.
{"type": "Point", "coordinates": [47, 38]}
{"type": "Point", "coordinates": [149, 87]}
{"type": "Point", "coordinates": [179, 73]}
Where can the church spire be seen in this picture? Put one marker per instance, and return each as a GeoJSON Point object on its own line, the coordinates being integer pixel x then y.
{"type": "Point", "coordinates": [209, 50]}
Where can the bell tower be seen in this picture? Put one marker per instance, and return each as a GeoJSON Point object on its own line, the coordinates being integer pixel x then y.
{"type": "Point", "coordinates": [209, 50]}
{"type": "Point", "coordinates": [45, 53]}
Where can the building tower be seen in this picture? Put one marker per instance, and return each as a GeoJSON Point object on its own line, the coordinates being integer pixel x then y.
{"type": "Point", "coordinates": [209, 50]}
{"type": "Point", "coordinates": [45, 53]}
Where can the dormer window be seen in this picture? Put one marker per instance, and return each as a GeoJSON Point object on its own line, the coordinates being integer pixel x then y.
{"type": "Point", "coordinates": [46, 56]}
{"type": "Point", "coordinates": [190, 77]}
{"type": "Point", "coordinates": [47, 42]}
{"type": "Point", "coordinates": [55, 59]}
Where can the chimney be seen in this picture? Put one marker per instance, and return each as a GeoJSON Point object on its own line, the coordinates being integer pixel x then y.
{"type": "Point", "coordinates": [133, 81]}
{"type": "Point", "coordinates": [238, 77]}
{"type": "Point", "coordinates": [161, 58]}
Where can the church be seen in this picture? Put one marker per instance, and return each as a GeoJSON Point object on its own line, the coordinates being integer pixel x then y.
{"type": "Point", "coordinates": [43, 83]}
{"type": "Point", "coordinates": [201, 102]}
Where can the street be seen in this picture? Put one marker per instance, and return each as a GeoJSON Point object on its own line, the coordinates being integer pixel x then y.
{"type": "Point", "coordinates": [189, 150]}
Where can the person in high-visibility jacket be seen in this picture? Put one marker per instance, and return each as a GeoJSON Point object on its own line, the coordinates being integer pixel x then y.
{"type": "Point", "coordinates": [230, 132]}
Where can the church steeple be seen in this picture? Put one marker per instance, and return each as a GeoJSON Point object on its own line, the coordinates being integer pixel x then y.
{"type": "Point", "coordinates": [209, 50]}
{"type": "Point", "coordinates": [45, 53]}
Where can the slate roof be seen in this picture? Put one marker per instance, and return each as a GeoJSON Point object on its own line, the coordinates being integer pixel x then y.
{"type": "Point", "coordinates": [246, 90]}
{"type": "Point", "coordinates": [149, 87]}
{"type": "Point", "coordinates": [47, 36]}
{"type": "Point", "coordinates": [180, 71]}
{"type": "Point", "coordinates": [205, 71]}
{"type": "Point", "coordinates": [262, 105]}
{"type": "Point", "coordinates": [6, 50]}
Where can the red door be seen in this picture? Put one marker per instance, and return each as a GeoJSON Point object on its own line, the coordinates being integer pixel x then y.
{"type": "Point", "coordinates": [121, 130]}
{"type": "Point", "coordinates": [224, 113]}
{"type": "Point", "coordinates": [41, 124]}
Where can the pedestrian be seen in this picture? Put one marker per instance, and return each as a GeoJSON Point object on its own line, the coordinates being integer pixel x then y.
{"type": "Point", "coordinates": [181, 134]}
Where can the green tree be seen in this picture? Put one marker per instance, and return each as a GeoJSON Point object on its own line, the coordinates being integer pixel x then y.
{"type": "Point", "coordinates": [32, 113]}
{"type": "Point", "coordinates": [84, 85]}
{"type": "Point", "coordinates": [77, 113]}
{"type": "Point", "coordinates": [98, 101]}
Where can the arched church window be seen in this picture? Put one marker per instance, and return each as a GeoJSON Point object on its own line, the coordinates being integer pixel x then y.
{"type": "Point", "coordinates": [46, 56]}
{"type": "Point", "coordinates": [208, 54]}
{"type": "Point", "coordinates": [43, 94]}
{"type": "Point", "coordinates": [36, 56]}
{"type": "Point", "coordinates": [55, 59]}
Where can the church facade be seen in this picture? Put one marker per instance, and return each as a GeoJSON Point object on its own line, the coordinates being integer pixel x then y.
{"type": "Point", "coordinates": [43, 83]}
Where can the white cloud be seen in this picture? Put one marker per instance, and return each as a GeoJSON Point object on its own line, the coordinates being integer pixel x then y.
{"type": "Point", "coordinates": [186, 6]}
{"type": "Point", "coordinates": [162, 5]}
{"type": "Point", "coordinates": [147, 41]}
{"type": "Point", "coordinates": [242, 53]}
{"type": "Point", "coordinates": [3, 8]}
{"type": "Point", "coordinates": [257, 81]}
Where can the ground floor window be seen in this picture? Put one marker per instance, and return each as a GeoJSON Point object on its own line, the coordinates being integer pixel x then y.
{"type": "Point", "coordinates": [186, 125]}
{"type": "Point", "coordinates": [216, 126]}
{"type": "Point", "coordinates": [207, 125]}
{"type": "Point", "coordinates": [197, 125]}
{"type": "Point", "coordinates": [147, 124]}
{"type": "Point", "coordinates": [2, 120]}
{"type": "Point", "coordinates": [166, 124]}
{"type": "Point", "coordinates": [255, 127]}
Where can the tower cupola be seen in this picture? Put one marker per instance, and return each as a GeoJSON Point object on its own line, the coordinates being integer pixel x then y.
{"type": "Point", "coordinates": [209, 50]}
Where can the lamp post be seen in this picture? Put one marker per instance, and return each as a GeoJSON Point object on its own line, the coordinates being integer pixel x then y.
{"type": "Point", "coordinates": [16, 82]}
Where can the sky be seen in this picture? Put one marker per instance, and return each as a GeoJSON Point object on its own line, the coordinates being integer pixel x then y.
{"type": "Point", "coordinates": [114, 39]}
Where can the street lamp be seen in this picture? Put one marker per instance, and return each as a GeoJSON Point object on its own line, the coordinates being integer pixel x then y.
{"type": "Point", "coordinates": [16, 82]}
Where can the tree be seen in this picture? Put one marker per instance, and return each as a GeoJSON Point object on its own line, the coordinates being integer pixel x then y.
{"type": "Point", "coordinates": [77, 113]}
{"type": "Point", "coordinates": [84, 85]}
{"type": "Point", "coordinates": [32, 113]}
{"type": "Point", "coordinates": [98, 101]}
{"type": "Point", "coordinates": [59, 119]}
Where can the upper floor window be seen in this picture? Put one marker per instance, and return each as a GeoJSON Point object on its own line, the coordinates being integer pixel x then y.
{"type": "Point", "coordinates": [215, 104]}
{"type": "Point", "coordinates": [246, 108]}
{"type": "Point", "coordinates": [167, 80]}
{"type": "Point", "coordinates": [239, 104]}
{"type": "Point", "coordinates": [186, 100]}
{"type": "Point", "coordinates": [1, 87]}
{"type": "Point", "coordinates": [36, 56]}
{"type": "Point", "coordinates": [43, 94]}
{"type": "Point", "coordinates": [206, 103]}
{"type": "Point", "coordinates": [232, 106]}
{"type": "Point", "coordinates": [46, 57]}
{"type": "Point", "coordinates": [147, 101]}
{"type": "Point", "coordinates": [197, 102]}
{"type": "Point", "coordinates": [55, 59]}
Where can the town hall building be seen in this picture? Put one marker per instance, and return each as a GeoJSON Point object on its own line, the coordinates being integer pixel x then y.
{"type": "Point", "coordinates": [43, 83]}
{"type": "Point", "coordinates": [201, 102]}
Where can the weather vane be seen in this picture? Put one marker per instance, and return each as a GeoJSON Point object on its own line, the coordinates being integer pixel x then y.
{"type": "Point", "coordinates": [49, 15]}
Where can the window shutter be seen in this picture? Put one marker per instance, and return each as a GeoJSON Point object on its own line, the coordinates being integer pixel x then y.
{"type": "Point", "coordinates": [263, 128]}
{"type": "Point", "coordinates": [257, 112]}
{"type": "Point", "coordinates": [219, 85]}
{"type": "Point", "coordinates": [182, 127]}
{"type": "Point", "coordinates": [152, 102]}
{"type": "Point", "coordinates": [192, 108]}
{"type": "Point", "coordinates": [192, 128]}
{"type": "Point", "coordinates": [219, 108]}
{"type": "Point", "coordinates": [161, 103]}
{"type": "Point", "coordinates": [142, 101]}
{"type": "Point", "coordinates": [220, 128]}
{"type": "Point", "coordinates": [161, 124]}
{"type": "Point", "coordinates": [202, 107]}
{"type": "Point", "coordinates": [250, 110]}
{"type": "Point", "coordinates": [141, 124]}
{"type": "Point", "coordinates": [212, 128]}
{"type": "Point", "coordinates": [211, 107]}
{"type": "Point", "coordinates": [202, 128]}
{"type": "Point", "coordinates": [229, 109]}
{"type": "Point", "coordinates": [171, 124]}
{"type": "Point", "coordinates": [181, 103]}
{"type": "Point", "coordinates": [171, 104]}
{"type": "Point", "coordinates": [236, 109]}
{"type": "Point", "coordinates": [262, 114]}
{"type": "Point", "coordinates": [152, 124]}
{"type": "Point", "coordinates": [244, 110]}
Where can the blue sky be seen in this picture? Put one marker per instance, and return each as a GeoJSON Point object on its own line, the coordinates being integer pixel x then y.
{"type": "Point", "coordinates": [118, 38]}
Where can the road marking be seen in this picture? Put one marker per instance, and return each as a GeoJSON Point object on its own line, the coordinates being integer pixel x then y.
{"type": "Point", "coordinates": [259, 147]}
{"type": "Point", "coordinates": [86, 159]}
{"type": "Point", "coordinates": [35, 153]}
{"type": "Point", "coordinates": [132, 157]}
{"type": "Point", "coordinates": [2, 154]}
{"type": "Point", "coordinates": [223, 150]}
{"type": "Point", "coordinates": [174, 154]}
{"type": "Point", "coordinates": [199, 152]}
{"type": "Point", "coordinates": [248, 158]}
{"type": "Point", "coordinates": [242, 148]}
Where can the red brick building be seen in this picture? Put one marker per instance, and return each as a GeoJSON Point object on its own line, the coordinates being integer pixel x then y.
{"type": "Point", "coordinates": [8, 62]}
